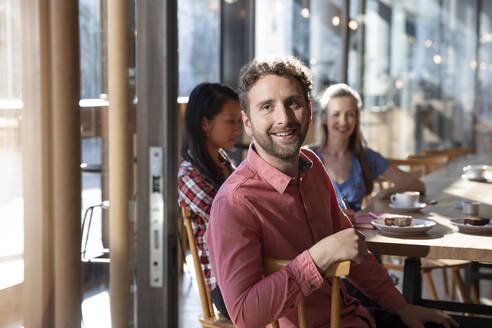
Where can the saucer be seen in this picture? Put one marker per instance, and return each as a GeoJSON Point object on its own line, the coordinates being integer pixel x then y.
{"type": "Point", "coordinates": [472, 229]}
{"type": "Point", "coordinates": [416, 208]}
{"type": "Point", "coordinates": [484, 178]}
{"type": "Point", "coordinates": [418, 226]}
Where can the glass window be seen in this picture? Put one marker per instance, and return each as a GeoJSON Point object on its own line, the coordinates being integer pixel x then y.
{"type": "Point", "coordinates": [90, 49]}
{"type": "Point", "coordinates": [11, 197]}
{"type": "Point", "coordinates": [418, 71]}
{"type": "Point", "coordinates": [483, 142]}
{"type": "Point", "coordinates": [199, 43]}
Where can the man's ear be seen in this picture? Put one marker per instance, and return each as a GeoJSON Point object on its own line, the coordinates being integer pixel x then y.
{"type": "Point", "coordinates": [247, 123]}
{"type": "Point", "coordinates": [310, 113]}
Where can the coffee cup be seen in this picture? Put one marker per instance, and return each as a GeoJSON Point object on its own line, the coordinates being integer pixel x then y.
{"type": "Point", "coordinates": [407, 199]}
{"type": "Point", "coordinates": [471, 208]}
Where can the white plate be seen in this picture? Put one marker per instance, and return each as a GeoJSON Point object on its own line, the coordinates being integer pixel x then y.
{"type": "Point", "coordinates": [418, 226]}
{"type": "Point", "coordinates": [418, 207]}
{"type": "Point", "coordinates": [485, 178]}
{"type": "Point", "coordinates": [468, 228]}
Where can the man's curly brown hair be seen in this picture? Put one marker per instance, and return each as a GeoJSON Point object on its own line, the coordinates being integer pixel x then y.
{"type": "Point", "coordinates": [282, 66]}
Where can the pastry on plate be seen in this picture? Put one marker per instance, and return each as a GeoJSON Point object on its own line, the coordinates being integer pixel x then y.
{"type": "Point", "coordinates": [397, 220]}
{"type": "Point", "coordinates": [476, 221]}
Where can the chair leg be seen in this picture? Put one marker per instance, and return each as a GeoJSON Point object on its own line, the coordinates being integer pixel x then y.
{"type": "Point", "coordinates": [335, 303]}
{"type": "Point", "coordinates": [460, 284]}
{"type": "Point", "coordinates": [445, 281]}
{"type": "Point", "coordinates": [474, 294]}
{"type": "Point", "coordinates": [430, 282]}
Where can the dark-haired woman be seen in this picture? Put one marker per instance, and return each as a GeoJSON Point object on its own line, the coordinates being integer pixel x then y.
{"type": "Point", "coordinates": [211, 126]}
{"type": "Point", "coordinates": [352, 166]}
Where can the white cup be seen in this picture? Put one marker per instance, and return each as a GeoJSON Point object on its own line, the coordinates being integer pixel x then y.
{"type": "Point", "coordinates": [471, 208]}
{"type": "Point", "coordinates": [407, 199]}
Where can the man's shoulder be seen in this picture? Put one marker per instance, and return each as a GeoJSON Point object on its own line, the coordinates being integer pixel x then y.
{"type": "Point", "coordinates": [238, 181]}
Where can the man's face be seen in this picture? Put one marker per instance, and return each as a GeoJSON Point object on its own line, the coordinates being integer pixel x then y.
{"type": "Point", "coordinates": [278, 117]}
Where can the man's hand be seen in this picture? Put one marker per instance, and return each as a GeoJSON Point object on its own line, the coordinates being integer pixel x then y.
{"type": "Point", "coordinates": [347, 244]}
{"type": "Point", "coordinates": [350, 214]}
{"type": "Point", "coordinates": [416, 316]}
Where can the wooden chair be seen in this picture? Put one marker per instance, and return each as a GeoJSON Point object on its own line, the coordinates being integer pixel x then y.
{"type": "Point", "coordinates": [427, 265]}
{"type": "Point", "coordinates": [421, 165]}
{"type": "Point", "coordinates": [210, 318]}
{"type": "Point", "coordinates": [335, 271]}
{"type": "Point", "coordinates": [183, 245]}
{"type": "Point", "coordinates": [450, 153]}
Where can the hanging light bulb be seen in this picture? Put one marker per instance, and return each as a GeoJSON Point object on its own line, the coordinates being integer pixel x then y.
{"type": "Point", "coordinates": [335, 20]}
{"type": "Point", "coordinates": [353, 25]}
{"type": "Point", "coordinates": [305, 12]}
{"type": "Point", "coordinates": [437, 59]}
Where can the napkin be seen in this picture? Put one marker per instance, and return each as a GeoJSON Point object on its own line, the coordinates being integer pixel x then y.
{"type": "Point", "coordinates": [363, 221]}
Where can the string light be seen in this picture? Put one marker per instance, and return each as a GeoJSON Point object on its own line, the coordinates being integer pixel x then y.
{"type": "Point", "coordinates": [437, 59]}
{"type": "Point", "coordinates": [353, 25]}
{"type": "Point", "coordinates": [213, 6]}
{"type": "Point", "coordinates": [428, 43]}
{"type": "Point", "coordinates": [335, 20]}
{"type": "Point", "coordinates": [399, 84]}
{"type": "Point", "coordinates": [305, 12]}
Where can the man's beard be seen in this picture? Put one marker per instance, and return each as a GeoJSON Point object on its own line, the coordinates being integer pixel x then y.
{"type": "Point", "coordinates": [282, 151]}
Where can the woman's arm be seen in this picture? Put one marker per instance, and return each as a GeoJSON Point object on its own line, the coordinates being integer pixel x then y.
{"type": "Point", "coordinates": [402, 181]}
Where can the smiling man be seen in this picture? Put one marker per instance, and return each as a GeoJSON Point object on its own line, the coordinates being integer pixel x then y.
{"type": "Point", "coordinates": [279, 203]}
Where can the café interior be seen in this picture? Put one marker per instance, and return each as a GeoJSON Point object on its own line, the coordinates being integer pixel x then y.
{"type": "Point", "coordinates": [92, 103]}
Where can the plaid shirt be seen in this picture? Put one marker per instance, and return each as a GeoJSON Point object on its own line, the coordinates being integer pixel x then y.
{"type": "Point", "coordinates": [197, 193]}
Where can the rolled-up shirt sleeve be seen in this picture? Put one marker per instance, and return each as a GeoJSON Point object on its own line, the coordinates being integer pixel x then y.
{"type": "Point", "coordinates": [234, 239]}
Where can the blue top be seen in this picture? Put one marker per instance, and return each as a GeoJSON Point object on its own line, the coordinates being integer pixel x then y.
{"type": "Point", "coordinates": [354, 187]}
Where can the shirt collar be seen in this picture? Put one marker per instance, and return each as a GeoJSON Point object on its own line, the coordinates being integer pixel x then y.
{"type": "Point", "coordinates": [276, 178]}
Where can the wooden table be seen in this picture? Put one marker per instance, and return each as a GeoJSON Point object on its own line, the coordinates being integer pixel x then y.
{"type": "Point", "coordinates": [443, 241]}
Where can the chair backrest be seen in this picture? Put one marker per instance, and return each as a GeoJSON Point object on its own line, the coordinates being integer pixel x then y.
{"type": "Point", "coordinates": [335, 271]}
{"type": "Point", "coordinates": [205, 299]}
{"type": "Point", "coordinates": [210, 319]}
{"type": "Point", "coordinates": [421, 165]}
{"type": "Point", "coordinates": [450, 153]}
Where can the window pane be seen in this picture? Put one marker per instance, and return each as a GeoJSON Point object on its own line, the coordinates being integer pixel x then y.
{"type": "Point", "coordinates": [199, 43]}
{"type": "Point", "coordinates": [483, 128]}
{"type": "Point", "coordinates": [418, 77]}
{"type": "Point", "coordinates": [90, 48]}
{"type": "Point", "coordinates": [11, 197]}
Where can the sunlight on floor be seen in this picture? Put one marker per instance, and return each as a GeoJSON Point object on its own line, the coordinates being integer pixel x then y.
{"type": "Point", "coordinates": [12, 273]}
{"type": "Point", "coordinates": [96, 311]}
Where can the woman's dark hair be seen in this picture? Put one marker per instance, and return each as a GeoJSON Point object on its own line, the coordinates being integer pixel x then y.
{"type": "Point", "coordinates": [356, 141]}
{"type": "Point", "coordinates": [206, 100]}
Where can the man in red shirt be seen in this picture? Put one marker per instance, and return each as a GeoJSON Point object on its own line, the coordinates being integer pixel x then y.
{"type": "Point", "coordinates": [279, 203]}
